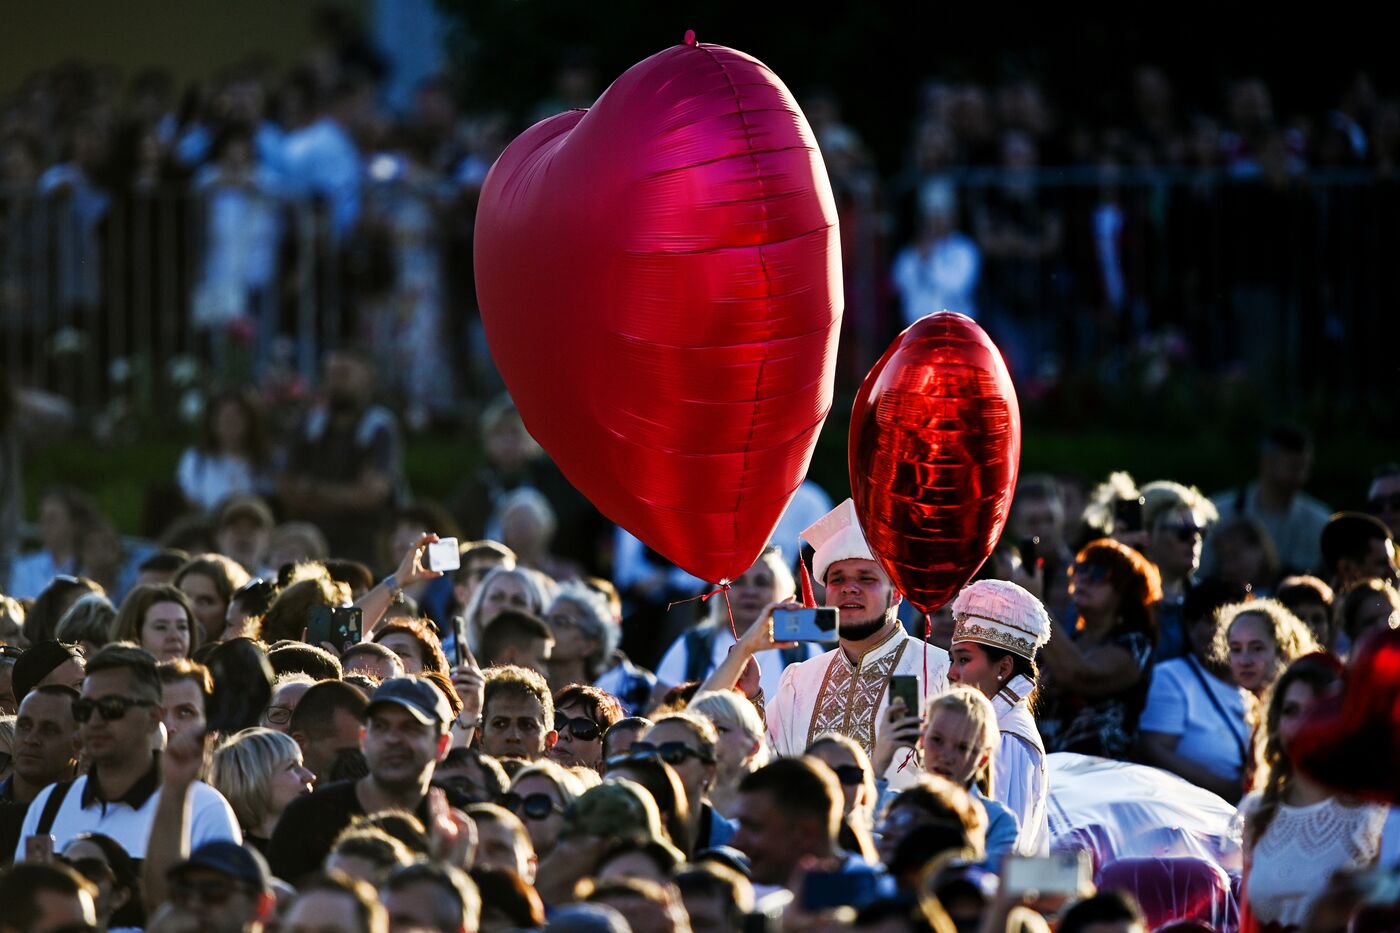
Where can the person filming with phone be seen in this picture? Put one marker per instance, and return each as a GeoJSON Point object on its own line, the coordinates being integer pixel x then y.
{"type": "Point", "coordinates": [846, 689]}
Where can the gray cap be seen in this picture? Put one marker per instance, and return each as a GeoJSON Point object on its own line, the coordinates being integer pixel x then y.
{"type": "Point", "coordinates": [587, 918]}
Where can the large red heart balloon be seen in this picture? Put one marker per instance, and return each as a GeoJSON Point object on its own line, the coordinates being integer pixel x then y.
{"type": "Point", "coordinates": [660, 282]}
{"type": "Point", "coordinates": [935, 446]}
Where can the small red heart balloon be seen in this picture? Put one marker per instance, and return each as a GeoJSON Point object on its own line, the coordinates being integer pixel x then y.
{"type": "Point", "coordinates": [935, 446]}
{"type": "Point", "coordinates": [659, 278]}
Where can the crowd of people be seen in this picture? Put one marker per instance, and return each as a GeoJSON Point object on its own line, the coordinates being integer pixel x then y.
{"type": "Point", "coordinates": [271, 209]}
{"type": "Point", "coordinates": [285, 716]}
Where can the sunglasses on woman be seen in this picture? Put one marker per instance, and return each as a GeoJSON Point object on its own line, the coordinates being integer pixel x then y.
{"type": "Point", "coordinates": [673, 753]}
{"type": "Point", "coordinates": [1091, 573]}
{"type": "Point", "coordinates": [850, 775]}
{"type": "Point", "coordinates": [533, 807]}
{"type": "Point", "coordinates": [585, 730]}
{"type": "Point", "coordinates": [1186, 533]}
{"type": "Point", "coordinates": [109, 708]}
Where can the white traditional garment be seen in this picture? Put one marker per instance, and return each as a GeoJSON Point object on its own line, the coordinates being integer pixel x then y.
{"type": "Point", "coordinates": [830, 694]}
{"type": "Point", "coordinates": [1019, 779]}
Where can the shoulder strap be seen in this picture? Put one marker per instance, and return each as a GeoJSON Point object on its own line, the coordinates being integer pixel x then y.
{"type": "Point", "coordinates": [1219, 709]}
{"type": "Point", "coordinates": [698, 647]}
{"type": "Point", "coordinates": [56, 797]}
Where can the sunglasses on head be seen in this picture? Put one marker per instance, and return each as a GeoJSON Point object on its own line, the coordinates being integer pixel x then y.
{"type": "Point", "coordinates": [1390, 503]}
{"type": "Point", "coordinates": [533, 807]}
{"type": "Point", "coordinates": [109, 708]}
{"type": "Point", "coordinates": [1092, 573]}
{"type": "Point", "coordinates": [585, 730]}
{"type": "Point", "coordinates": [850, 775]}
{"type": "Point", "coordinates": [673, 753]}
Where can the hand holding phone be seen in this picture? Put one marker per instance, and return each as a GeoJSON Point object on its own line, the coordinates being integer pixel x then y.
{"type": "Point", "coordinates": [443, 555]}
{"type": "Point", "coordinates": [337, 626]}
{"type": "Point", "coordinates": [814, 624]}
{"type": "Point", "coordinates": [905, 687]}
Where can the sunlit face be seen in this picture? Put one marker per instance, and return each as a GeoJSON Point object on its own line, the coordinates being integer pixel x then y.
{"type": "Point", "coordinates": [513, 726]}
{"type": "Point", "coordinates": [952, 747]}
{"type": "Point", "coordinates": [1253, 652]}
{"type": "Point", "coordinates": [570, 749]}
{"type": "Point", "coordinates": [290, 781]}
{"type": "Point", "coordinates": [68, 674]}
{"type": "Point", "coordinates": [544, 833]}
{"type": "Point", "coordinates": [505, 591]}
{"type": "Point", "coordinates": [165, 632]}
{"type": "Point", "coordinates": [210, 610]}
{"type": "Point", "coordinates": [733, 751]}
{"type": "Point", "coordinates": [184, 708]}
{"type": "Point", "coordinates": [1298, 700]}
{"type": "Point", "coordinates": [1091, 588]}
{"type": "Point", "coordinates": [969, 664]}
{"type": "Point", "coordinates": [1176, 543]}
{"type": "Point", "coordinates": [862, 593]}
{"type": "Point", "coordinates": [407, 648]}
{"type": "Point", "coordinates": [754, 589]}
{"type": "Point", "coordinates": [400, 750]}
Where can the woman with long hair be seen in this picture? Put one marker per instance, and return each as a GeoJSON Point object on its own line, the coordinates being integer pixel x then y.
{"type": "Point", "coordinates": [159, 618]}
{"type": "Point", "coordinates": [1099, 671]}
{"type": "Point", "coordinates": [210, 580]}
{"type": "Point", "coordinates": [517, 588]}
{"type": "Point", "coordinates": [1258, 638]}
{"type": "Point", "coordinates": [1297, 833]}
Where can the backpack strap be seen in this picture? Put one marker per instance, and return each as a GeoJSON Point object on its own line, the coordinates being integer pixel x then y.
{"type": "Point", "coordinates": [51, 806]}
{"type": "Point", "coordinates": [699, 646]}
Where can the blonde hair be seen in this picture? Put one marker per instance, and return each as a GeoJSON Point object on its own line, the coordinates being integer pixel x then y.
{"type": "Point", "coordinates": [733, 711]}
{"type": "Point", "coordinates": [242, 771]}
{"type": "Point", "coordinates": [784, 584]}
{"type": "Point", "coordinates": [569, 786]}
{"type": "Point", "coordinates": [1292, 636]}
{"type": "Point", "coordinates": [978, 710]}
{"type": "Point", "coordinates": [1163, 496]}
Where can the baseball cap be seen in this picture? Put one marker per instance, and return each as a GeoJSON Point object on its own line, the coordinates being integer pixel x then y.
{"type": "Point", "coordinates": [227, 858]}
{"type": "Point", "coordinates": [38, 662]}
{"type": "Point", "coordinates": [415, 694]}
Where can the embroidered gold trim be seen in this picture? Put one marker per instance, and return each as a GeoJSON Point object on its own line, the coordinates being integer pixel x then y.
{"type": "Point", "coordinates": [997, 637]}
{"type": "Point", "coordinates": [849, 698]}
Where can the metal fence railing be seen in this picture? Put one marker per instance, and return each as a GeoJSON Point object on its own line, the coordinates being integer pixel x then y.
{"type": "Point", "coordinates": [133, 294]}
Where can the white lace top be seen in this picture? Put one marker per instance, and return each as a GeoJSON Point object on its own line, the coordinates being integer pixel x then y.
{"type": "Point", "coordinates": [1301, 850]}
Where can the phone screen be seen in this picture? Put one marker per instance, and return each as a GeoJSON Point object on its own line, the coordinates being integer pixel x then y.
{"type": "Point", "coordinates": [443, 555]}
{"type": "Point", "coordinates": [1127, 514]}
{"type": "Point", "coordinates": [338, 625]}
{"type": "Point", "coordinates": [817, 624]}
{"type": "Point", "coordinates": [905, 687]}
{"type": "Point", "coordinates": [1066, 873]}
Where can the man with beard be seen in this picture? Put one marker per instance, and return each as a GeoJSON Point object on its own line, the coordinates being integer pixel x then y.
{"type": "Point", "coordinates": [404, 738]}
{"type": "Point", "coordinates": [846, 689]}
{"type": "Point", "coordinates": [344, 470]}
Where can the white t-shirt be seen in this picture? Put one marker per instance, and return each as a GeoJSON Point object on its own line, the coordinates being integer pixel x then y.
{"type": "Point", "coordinates": [211, 817]}
{"type": "Point", "coordinates": [1177, 704]}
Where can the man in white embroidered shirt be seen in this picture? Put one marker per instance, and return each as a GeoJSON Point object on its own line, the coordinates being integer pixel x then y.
{"type": "Point", "coordinates": [119, 717]}
{"type": "Point", "coordinates": [846, 689]}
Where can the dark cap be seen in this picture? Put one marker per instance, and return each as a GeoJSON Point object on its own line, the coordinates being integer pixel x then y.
{"type": "Point", "coordinates": [38, 662]}
{"type": "Point", "coordinates": [415, 694]}
{"type": "Point", "coordinates": [587, 918]}
{"type": "Point", "coordinates": [227, 858]}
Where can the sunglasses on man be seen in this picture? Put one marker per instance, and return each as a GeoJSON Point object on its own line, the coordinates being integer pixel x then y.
{"type": "Point", "coordinates": [532, 807]}
{"type": "Point", "coordinates": [109, 708]}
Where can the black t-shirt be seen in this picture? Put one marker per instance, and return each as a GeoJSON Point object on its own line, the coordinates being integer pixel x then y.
{"type": "Point", "coordinates": [309, 825]}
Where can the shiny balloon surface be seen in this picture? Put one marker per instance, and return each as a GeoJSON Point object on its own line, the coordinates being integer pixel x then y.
{"type": "Point", "coordinates": [935, 446]}
{"type": "Point", "coordinates": [659, 278]}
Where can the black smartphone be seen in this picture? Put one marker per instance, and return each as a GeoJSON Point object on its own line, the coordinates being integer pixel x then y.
{"type": "Point", "coordinates": [817, 624]}
{"type": "Point", "coordinates": [338, 625]}
{"type": "Point", "coordinates": [1127, 514]}
{"type": "Point", "coordinates": [905, 687]}
{"type": "Point", "coordinates": [459, 634]}
{"type": "Point", "coordinates": [1030, 553]}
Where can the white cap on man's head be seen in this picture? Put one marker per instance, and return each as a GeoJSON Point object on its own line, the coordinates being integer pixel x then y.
{"type": "Point", "coordinates": [836, 537]}
{"type": "Point", "coordinates": [1001, 614]}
